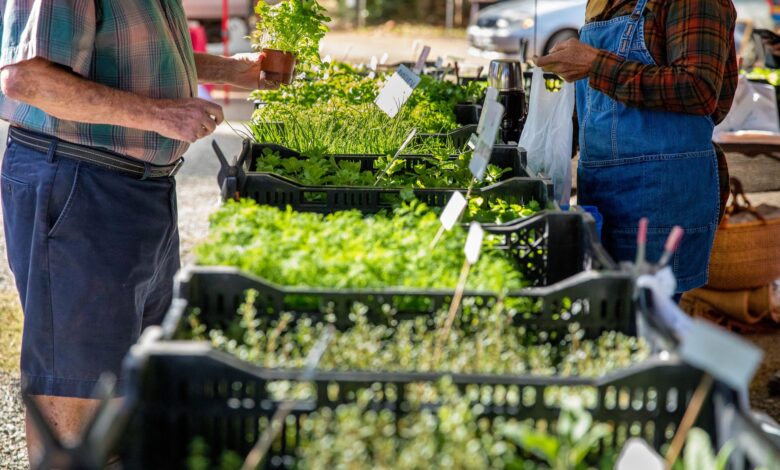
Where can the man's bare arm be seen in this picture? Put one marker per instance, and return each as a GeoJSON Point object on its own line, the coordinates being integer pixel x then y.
{"type": "Point", "coordinates": [63, 94]}
{"type": "Point", "coordinates": [243, 72]}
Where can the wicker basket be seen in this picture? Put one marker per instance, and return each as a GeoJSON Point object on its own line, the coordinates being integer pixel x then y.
{"type": "Point", "coordinates": [746, 255]}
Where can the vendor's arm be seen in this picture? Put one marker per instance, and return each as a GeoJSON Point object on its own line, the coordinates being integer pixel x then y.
{"type": "Point", "coordinates": [699, 38]}
{"type": "Point", "coordinates": [699, 44]}
{"type": "Point", "coordinates": [63, 94]}
{"type": "Point", "coordinates": [241, 71]}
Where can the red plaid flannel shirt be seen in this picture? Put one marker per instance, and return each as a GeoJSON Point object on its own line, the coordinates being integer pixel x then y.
{"type": "Point", "coordinates": [693, 43]}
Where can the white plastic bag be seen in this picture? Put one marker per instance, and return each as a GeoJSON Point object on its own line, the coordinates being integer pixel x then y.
{"type": "Point", "coordinates": [754, 109]}
{"type": "Point", "coordinates": [548, 132]}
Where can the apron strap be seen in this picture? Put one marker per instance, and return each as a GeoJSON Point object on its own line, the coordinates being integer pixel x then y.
{"type": "Point", "coordinates": [628, 34]}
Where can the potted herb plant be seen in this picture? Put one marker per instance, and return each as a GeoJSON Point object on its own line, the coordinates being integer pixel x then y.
{"type": "Point", "coordinates": [289, 33]}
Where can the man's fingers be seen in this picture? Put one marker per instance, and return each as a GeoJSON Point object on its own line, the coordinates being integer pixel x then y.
{"type": "Point", "coordinates": [216, 111]}
{"type": "Point", "coordinates": [209, 124]}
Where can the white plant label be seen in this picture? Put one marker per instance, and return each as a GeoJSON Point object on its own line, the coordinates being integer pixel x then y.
{"type": "Point", "coordinates": [397, 90]}
{"type": "Point", "coordinates": [480, 159]}
{"type": "Point", "coordinates": [439, 62]}
{"type": "Point", "coordinates": [491, 95]}
{"type": "Point", "coordinates": [638, 455]}
{"type": "Point", "coordinates": [328, 59]}
{"type": "Point", "coordinates": [373, 63]}
{"type": "Point", "coordinates": [384, 58]}
{"type": "Point", "coordinates": [724, 355]}
{"type": "Point", "coordinates": [453, 210]}
{"type": "Point", "coordinates": [493, 113]}
{"type": "Point", "coordinates": [418, 67]}
{"type": "Point", "coordinates": [472, 143]}
{"type": "Point", "coordinates": [474, 243]}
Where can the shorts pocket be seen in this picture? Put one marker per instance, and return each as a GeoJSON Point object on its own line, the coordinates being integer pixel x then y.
{"type": "Point", "coordinates": [64, 190]}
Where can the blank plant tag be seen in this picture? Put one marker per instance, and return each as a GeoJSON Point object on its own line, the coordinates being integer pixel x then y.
{"type": "Point", "coordinates": [453, 210]}
{"type": "Point", "coordinates": [373, 63]}
{"type": "Point", "coordinates": [480, 159]}
{"type": "Point", "coordinates": [397, 90]}
{"type": "Point", "coordinates": [493, 113]}
{"type": "Point", "coordinates": [474, 243]}
{"type": "Point", "coordinates": [418, 67]}
{"type": "Point", "coordinates": [439, 62]}
{"type": "Point", "coordinates": [383, 59]}
{"type": "Point", "coordinates": [472, 143]}
{"type": "Point", "coordinates": [491, 95]}
{"type": "Point", "coordinates": [638, 455]}
{"type": "Point", "coordinates": [724, 355]}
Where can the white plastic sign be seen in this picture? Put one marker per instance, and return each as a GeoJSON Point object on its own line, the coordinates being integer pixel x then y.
{"type": "Point", "coordinates": [490, 96]}
{"type": "Point", "coordinates": [493, 112]}
{"type": "Point", "coordinates": [474, 243]}
{"type": "Point", "coordinates": [638, 455]}
{"type": "Point", "coordinates": [724, 355]}
{"type": "Point", "coordinates": [480, 159]}
{"type": "Point", "coordinates": [418, 67]}
{"type": "Point", "coordinates": [453, 210]}
{"type": "Point", "coordinates": [397, 90]}
{"type": "Point", "coordinates": [384, 58]}
{"type": "Point", "coordinates": [373, 63]}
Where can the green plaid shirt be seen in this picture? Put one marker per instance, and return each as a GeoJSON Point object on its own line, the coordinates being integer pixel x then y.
{"type": "Point", "coordinates": [140, 46]}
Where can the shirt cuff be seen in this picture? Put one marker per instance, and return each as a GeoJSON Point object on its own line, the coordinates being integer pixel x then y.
{"type": "Point", "coordinates": [603, 73]}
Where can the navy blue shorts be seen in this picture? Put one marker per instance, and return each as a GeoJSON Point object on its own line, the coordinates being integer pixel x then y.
{"type": "Point", "coordinates": [93, 253]}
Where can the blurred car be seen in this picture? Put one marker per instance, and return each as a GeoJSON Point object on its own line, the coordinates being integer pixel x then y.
{"type": "Point", "coordinates": [501, 27]}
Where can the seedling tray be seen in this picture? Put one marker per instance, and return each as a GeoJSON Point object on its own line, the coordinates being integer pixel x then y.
{"type": "Point", "coordinates": [278, 191]}
{"type": "Point", "coordinates": [177, 391]}
{"type": "Point", "coordinates": [503, 156]}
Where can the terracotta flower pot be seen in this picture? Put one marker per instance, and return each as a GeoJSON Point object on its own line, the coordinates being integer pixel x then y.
{"type": "Point", "coordinates": [279, 66]}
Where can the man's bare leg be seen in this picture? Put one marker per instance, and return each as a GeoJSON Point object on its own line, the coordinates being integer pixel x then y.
{"type": "Point", "coordinates": [66, 416]}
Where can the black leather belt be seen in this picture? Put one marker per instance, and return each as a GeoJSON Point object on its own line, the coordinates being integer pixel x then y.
{"type": "Point", "coordinates": [102, 158]}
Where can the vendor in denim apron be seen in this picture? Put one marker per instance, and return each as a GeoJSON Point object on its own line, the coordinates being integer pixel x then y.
{"type": "Point", "coordinates": [653, 79]}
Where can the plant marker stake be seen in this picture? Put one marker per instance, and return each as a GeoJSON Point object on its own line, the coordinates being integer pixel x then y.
{"type": "Point", "coordinates": [261, 447]}
{"type": "Point", "coordinates": [397, 153]}
{"type": "Point", "coordinates": [672, 243]}
{"type": "Point", "coordinates": [641, 244]}
{"type": "Point", "coordinates": [721, 355]}
{"type": "Point", "coordinates": [418, 67]}
{"type": "Point", "coordinates": [688, 420]}
{"type": "Point", "coordinates": [450, 215]}
{"type": "Point", "coordinates": [472, 250]}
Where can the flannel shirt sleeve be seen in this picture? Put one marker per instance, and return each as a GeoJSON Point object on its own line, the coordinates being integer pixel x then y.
{"type": "Point", "coordinates": [60, 31]}
{"type": "Point", "coordinates": [699, 40]}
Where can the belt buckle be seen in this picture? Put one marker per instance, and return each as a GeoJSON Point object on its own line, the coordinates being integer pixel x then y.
{"type": "Point", "coordinates": [176, 167]}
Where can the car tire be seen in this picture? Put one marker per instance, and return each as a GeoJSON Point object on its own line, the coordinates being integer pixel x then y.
{"type": "Point", "coordinates": [560, 36]}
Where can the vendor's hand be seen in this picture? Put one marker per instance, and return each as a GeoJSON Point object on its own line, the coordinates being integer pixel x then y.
{"type": "Point", "coordinates": [186, 119]}
{"type": "Point", "coordinates": [246, 73]}
{"type": "Point", "coordinates": [571, 60]}
{"type": "Point", "coordinates": [774, 49]}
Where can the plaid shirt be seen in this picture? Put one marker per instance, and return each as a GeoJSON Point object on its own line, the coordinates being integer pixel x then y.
{"type": "Point", "coordinates": [693, 43]}
{"type": "Point", "coordinates": [140, 46]}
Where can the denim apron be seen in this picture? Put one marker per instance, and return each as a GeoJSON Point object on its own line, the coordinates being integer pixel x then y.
{"type": "Point", "coordinates": [638, 163]}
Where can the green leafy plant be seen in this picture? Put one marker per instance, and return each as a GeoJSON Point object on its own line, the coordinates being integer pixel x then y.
{"type": "Point", "coordinates": [575, 437]}
{"type": "Point", "coordinates": [348, 250]}
{"type": "Point", "coordinates": [295, 26]}
{"type": "Point", "coordinates": [700, 455]}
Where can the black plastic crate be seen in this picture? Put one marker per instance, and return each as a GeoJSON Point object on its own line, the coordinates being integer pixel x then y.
{"type": "Point", "coordinates": [503, 156]}
{"type": "Point", "coordinates": [181, 390]}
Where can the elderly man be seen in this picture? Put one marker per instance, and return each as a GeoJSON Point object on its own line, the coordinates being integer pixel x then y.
{"type": "Point", "coordinates": [653, 78]}
{"type": "Point", "coordinates": [100, 98]}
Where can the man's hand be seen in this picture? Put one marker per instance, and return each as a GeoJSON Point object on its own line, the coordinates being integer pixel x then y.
{"type": "Point", "coordinates": [187, 119]}
{"type": "Point", "coordinates": [571, 59]}
{"type": "Point", "coordinates": [246, 73]}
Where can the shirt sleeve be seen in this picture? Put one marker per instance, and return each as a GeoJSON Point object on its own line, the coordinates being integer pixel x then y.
{"type": "Point", "coordinates": [60, 31]}
{"type": "Point", "coordinates": [699, 41]}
